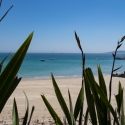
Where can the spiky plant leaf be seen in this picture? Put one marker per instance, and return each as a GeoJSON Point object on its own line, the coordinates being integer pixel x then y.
{"type": "Point", "coordinates": [70, 102]}
{"type": "Point", "coordinates": [51, 110]}
{"type": "Point", "coordinates": [10, 90]}
{"type": "Point", "coordinates": [61, 100]}
{"type": "Point", "coordinates": [70, 106]}
{"type": "Point", "coordinates": [109, 106]}
{"type": "Point", "coordinates": [71, 109]}
{"type": "Point", "coordinates": [102, 81]}
{"type": "Point", "coordinates": [15, 117]}
{"type": "Point", "coordinates": [9, 73]}
{"type": "Point", "coordinates": [89, 79]}
{"type": "Point", "coordinates": [31, 115]}
{"type": "Point", "coordinates": [86, 117]}
{"type": "Point", "coordinates": [119, 98]}
{"type": "Point", "coordinates": [79, 102]}
{"type": "Point", "coordinates": [27, 110]}
{"type": "Point", "coordinates": [103, 87]}
{"type": "Point", "coordinates": [88, 76]}
{"type": "Point", "coordinates": [90, 102]}
{"type": "Point", "coordinates": [122, 112]}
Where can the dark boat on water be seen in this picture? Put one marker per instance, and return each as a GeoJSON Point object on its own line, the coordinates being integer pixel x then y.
{"type": "Point", "coordinates": [42, 60]}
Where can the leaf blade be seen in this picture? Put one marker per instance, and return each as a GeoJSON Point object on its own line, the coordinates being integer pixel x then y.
{"type": "Point", "coordinates": [8, 75]}
{"type": "Point", "coordinates": [51, 110]}
{"type": "Point", "coordinates": [27, 110]}
{"type": "Point", "coordinates": [61, 100]}
{"type": "Point", "coordinates": [15, 117]}
{"type": "Point", "coordinates": [79, 102]}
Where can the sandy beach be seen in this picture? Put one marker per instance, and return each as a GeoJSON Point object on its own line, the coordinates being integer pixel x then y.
{"type": "Point", "coordinates": [34, 88]}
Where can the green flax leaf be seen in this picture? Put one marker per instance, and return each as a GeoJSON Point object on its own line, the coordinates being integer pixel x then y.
{"type": "Point", "coordinates": [109, 106]}
{"type": "Point", "coordinates": [122, 112]}
{"type": "Point", "coordinates": [15, 118]}
{"type": "Point", "coordinates": [9, 73]}
{"type": "Point", "coordinates": [102, 81]}
{"type": "Point", "coordinates": [90, 101]}
{"type": "Point", "coordinates": [31, 115]}
{"type": "Point", "coordinates": [86, 117]}
{"type": "Point", "coordinates": [79, 102]}
{"type": "Point", "coordinates": [70, 102]}
{"type": "Point", "coordinates": [103, 87]}
{"type": "Point", "coordinates": [61, 101]}
{"type": "Point", "coordinates": [51, 111]}
{"type": "Point", "coordinates": [91, 83]}
{"type": "Point", "coordinates": [27, 111]}
{"type": "Point", "coordinates": [10, 90]}
{"type": "Point", "coordinates": [119, 97]}
{"type": "Point", "coordinates": [96, 90]}
{"type": "Point", "coordinates": [71, 109]}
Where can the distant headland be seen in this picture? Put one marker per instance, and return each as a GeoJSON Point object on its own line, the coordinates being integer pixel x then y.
{"type": "Point", "coordinates": [118, 52]}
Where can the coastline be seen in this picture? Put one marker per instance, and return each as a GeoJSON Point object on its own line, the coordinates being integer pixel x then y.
{"type": "Point", "coordinates": [35, 87]}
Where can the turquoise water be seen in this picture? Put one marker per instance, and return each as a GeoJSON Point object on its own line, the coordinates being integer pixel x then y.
{"type": "Point", "coordinates": [64, 64]}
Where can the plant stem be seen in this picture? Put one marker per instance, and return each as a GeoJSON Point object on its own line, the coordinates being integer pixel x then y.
{"type": "Point", "coordinates": [110, 84]}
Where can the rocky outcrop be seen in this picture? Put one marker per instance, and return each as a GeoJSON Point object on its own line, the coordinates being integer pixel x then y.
{"type": "Point", "coordinates": [119, 75]}
{"type": "Point", "coordinates": [118, 58]}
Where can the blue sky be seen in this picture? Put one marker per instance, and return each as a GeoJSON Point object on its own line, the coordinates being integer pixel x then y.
{"type": "Point", "coordinates": [98, 23]}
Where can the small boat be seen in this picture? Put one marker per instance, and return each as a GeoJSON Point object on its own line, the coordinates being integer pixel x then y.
{"type": "Point", "coordinates": [53, 58]}
{"type": "Point", "coordinates": [42, 60]}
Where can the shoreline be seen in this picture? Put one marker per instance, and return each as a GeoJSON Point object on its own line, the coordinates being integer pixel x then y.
{"type": "Point", "coordinates": [56, 77]}
{"type": "Point", "coordinates": [35, 87]}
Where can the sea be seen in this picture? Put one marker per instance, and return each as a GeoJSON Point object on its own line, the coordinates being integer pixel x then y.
{"type": "Point", "coordinates": [64, 65]}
